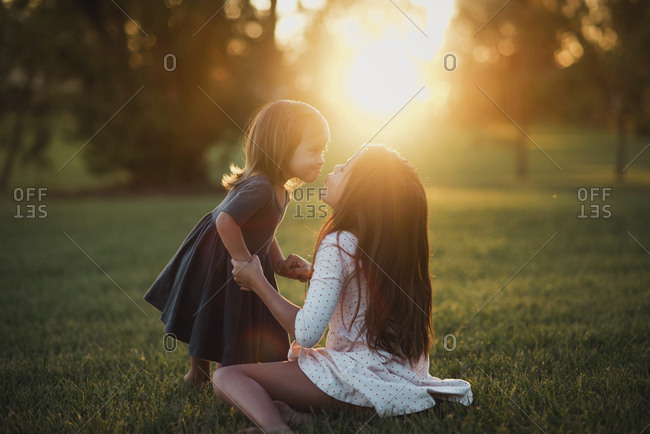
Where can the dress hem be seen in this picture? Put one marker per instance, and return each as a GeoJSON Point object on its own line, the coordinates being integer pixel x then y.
{"type": "Point", "coordinates": [381, 413]}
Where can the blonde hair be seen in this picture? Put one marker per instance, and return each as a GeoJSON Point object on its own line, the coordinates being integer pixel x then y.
{"type": "Point", "coordinates": [272, 137]}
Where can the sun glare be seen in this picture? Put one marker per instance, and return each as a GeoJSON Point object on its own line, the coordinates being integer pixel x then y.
{"type": "Point", "coordinates": [377, 58]}
{"type": "Point", "coordinates": [385, 72]}
{"type": "Point", "coordinates": [383, 77]}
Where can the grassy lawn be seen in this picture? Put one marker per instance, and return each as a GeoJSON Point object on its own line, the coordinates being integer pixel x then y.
{"type": "Point", "coordinates": [545, 314]}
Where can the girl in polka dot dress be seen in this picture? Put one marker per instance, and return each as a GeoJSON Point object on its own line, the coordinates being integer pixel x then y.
{"type": "Point", "coordinates": [371, 284]}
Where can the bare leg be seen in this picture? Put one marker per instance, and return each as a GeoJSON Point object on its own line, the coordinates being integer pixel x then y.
{"type": "Point", "coordinates": [252, 388]}
{"type": "Point", "coordinates": [199, 372]}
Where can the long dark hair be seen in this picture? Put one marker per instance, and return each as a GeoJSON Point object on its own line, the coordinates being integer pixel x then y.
{"type": "Point", "coordinates": [384, 205]}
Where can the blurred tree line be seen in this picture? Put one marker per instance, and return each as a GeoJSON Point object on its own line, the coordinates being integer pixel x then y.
{"type": "Point", "coordinates": [184, 75]}
{"type": "Point", "coordinates": [170, 78]}
{"type": "Point", "coordinates": [570, 61]}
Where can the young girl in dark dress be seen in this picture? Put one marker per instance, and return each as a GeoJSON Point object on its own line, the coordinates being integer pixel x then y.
{"type": "Point", "coordinates": [201, 303]}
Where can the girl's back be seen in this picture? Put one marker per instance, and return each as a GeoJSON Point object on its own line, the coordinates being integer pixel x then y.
{"type": "Point", "coordinates": [254, 205]}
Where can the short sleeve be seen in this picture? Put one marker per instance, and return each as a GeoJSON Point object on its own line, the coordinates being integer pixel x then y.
{"type": "Point", "coordinates": [249, 198]}
{"type": "Point", "coordinates": [324, 291]}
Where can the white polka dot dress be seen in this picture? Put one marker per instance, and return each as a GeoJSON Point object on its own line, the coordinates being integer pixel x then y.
{"type": "Point", "coordinates": [347, 370]}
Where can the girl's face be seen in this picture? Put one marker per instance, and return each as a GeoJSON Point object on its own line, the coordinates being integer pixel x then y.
{"type": "Point", "coordinates": [335, 183]}
{"type": "Point", "coordinates": [307, 160]}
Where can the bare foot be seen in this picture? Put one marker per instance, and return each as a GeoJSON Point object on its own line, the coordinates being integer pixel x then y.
{"type": "Point", "coordinates": [291, 416]}
{"type": "Point", "coordinates": [199, 374]}
{"type": "Point", "coordinates": [196, 378]}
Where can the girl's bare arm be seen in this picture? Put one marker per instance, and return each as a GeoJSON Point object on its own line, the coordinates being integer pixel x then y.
{"type": "Point", "coordinates": [232, 238]}
{"type": "Point", "coordinates": [276, 254]}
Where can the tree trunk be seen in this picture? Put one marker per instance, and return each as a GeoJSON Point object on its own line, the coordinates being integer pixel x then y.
{"type": "Point", "coordinates": [521, 161]}
{"type": "Point", "coordinates": [14, 146]}
{"type": "Point", "coordinates": [621, 137]}
{"type": "Point", "coordinates": [516, 89]}
{"type": "Point", "coordinates": [271, 56]}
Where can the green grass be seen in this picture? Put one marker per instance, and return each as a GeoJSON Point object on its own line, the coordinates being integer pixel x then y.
{"type": "Point", "coordinates": [562, 347]}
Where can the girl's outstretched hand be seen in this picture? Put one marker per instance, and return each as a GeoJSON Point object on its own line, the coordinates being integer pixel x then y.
{"type": "Point", "coordinates": [294, 267]}
{"type": "Point", "coordinates": [247, 273]}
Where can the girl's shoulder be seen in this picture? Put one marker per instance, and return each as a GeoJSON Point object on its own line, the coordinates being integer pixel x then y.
{"type": "Point", "coordinates": [343, 239]}
{"type": "Point", "coordinates": [260, 187]}
{"type": "Point", "coordinates": [255, 183]}
{"type": "Point", "coordinates": [257, 179]}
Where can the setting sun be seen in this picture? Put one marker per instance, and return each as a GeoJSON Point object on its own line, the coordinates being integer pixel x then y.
{"type": "Point", "coordinates": [385, 55]}
{"type": "Point", "coordinates": [383, 77]}
{"type": "Point", "coordinates": [390, 58]}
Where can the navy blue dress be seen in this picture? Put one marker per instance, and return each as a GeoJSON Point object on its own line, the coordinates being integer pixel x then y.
{"type": "Point", "coordinates": [201, 303]}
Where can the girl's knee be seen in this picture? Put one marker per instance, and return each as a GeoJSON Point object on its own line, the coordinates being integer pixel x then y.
{"type": "Point", "coordinates": [220, 380]}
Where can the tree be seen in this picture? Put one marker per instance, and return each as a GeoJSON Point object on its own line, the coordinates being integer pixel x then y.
{"type": "Point", "coordinates": [573, 61]}
{"type": "Point", "coordinates": [619, 38]}
{"type": "Point", "coordinates": [170, 78]}
{"type": "Point", "coordinates": [509, 54]}
{"type": "Point", "coordinates": [32, 82]}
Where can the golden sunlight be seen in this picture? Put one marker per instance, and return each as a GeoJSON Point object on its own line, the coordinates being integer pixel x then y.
{"type": "Point", "coordinates": [385, 53]}
{"type": "Point", "coordinates": [383, 76]}
{"type": "Point", "coordinates": [388, 66]}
